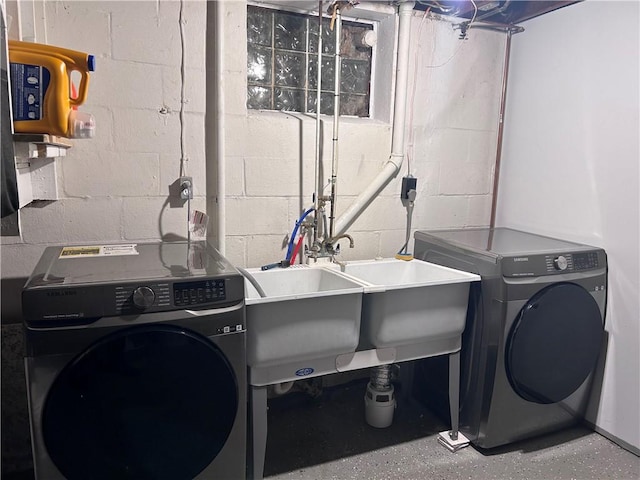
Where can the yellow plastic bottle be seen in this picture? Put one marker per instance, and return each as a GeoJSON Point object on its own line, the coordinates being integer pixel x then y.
{"type": "Point", "coordinates": [40, 87]}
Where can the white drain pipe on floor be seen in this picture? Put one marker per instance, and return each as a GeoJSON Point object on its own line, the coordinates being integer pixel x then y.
{"type": "Point", "coordinates": [392, 167]}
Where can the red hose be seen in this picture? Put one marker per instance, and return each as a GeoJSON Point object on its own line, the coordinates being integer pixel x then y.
{"type": "Point", "coordinates": [296, 249]}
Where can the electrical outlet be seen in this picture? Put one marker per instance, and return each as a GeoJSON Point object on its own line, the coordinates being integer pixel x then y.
{"type": "Point", "coordinates": [186, 187]}
{"type": "Point", "coordinates": [408, 184]}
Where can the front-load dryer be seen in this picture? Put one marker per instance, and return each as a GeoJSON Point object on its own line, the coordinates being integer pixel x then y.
{"type": "Point", "coordinates": [136, 363]}
{"type": "Point", "coordinates": [534, 333]}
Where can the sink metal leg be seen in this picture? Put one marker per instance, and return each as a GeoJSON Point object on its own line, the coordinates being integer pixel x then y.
{"type": "Point", "coordinates": [406, 378]}
{"type": "Point", "coordinates": [258, 431]}
{"type": "Point", "coordinates": [453, 439]}
{"type": "Point", "coordinates": [454, 393]}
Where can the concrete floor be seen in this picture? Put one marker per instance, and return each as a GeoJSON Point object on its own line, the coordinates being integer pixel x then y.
{"type": "Point", "coordinates": [327, 438]}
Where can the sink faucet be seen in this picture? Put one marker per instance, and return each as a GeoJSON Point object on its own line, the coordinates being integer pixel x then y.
{"type": "Point", "coordinates": [343, 265]}
{"type": "Point", "coordinates": [334, 252]}
{"type": "Point", "coordinates": [344, 235]}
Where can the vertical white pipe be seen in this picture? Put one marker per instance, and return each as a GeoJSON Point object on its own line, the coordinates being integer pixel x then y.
{"type": "Point", "coordinates": [220, 128]}
{"type": "Point", "coordinates": [317, 186]}
{"type": "Point", "coordinates": [392, 167]}
{"type": "Point", "coordinates": [336, 122]}
{"type": "Point", "coordinates": [402, 75]}
{"type": "Point", "coordinates": [215, 128]}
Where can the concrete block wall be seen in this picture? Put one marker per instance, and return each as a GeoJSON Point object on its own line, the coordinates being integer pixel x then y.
{"type": "Point", "coordinates": [114, 187]}
{"type": "Point", "coordinates": [455, 94]}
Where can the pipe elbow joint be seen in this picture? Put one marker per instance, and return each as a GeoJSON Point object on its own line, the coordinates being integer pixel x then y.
{"type": "Point", "coordinates": [406, 7]}
{"type": "Point", "coordinates": [396, 159]}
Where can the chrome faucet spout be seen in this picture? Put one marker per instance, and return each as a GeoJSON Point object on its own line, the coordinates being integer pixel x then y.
{"type": "Point", "coordinates": [344, 235]}
{"type": "Point", "coordinates": [342, 265]}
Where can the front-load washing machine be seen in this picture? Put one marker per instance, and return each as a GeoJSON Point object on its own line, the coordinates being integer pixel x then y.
{"type": "Point", "coordinates": [136, 363]}
{"type": "Point", "coordinates": [534, 332]}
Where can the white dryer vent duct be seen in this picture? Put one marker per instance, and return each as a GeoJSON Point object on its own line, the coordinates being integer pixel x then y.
{"type": "Point", "coordinates": [392, 167]}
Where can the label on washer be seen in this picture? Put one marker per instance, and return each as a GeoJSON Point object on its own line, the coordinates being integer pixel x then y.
{"type": "Point", "coordinates": [99, 251]}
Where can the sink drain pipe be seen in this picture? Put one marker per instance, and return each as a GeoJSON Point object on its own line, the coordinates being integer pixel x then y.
{"type": "Point", "coordinates": [392, 167]}
{"type": "Point", "coordinates": [379, 399]}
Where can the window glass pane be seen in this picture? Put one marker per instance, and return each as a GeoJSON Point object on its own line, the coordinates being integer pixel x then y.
{"type": "Point", "coordinates": [258, 64]}
{"type": "Point", "coordinates": [326, 102]}
{"type": "Point", "coordinates": [354, 76]}
{"type": "Point", "coordinates": [259, 26]}
{"type": "Point", "coordinates": [282, 63]}
{"type": "Point", "coordinates": [328, 66]}
{"type": "Point", "coordinates": [352, 34]}
{"type": "Point", "coordinates": [328, 37]}
{"type": "Point", "coordinates": [356, 105]}
{"type": "Point", "coordinates": [289, 69]}
{"type": "Point", "coordinates": [289, 99]}
{"type": "Point", "coordinates": [259, 98]}
{"type": "Point", "coordinates": [290, 31]}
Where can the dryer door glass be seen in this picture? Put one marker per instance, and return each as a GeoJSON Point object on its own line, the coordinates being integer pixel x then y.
{"type": "Point", "coordinates": [155, 402]}
{"type": "Point", "coordinates": [554, 343]}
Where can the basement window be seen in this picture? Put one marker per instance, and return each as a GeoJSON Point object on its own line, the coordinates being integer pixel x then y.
{"type": "Point", "coordinates": [282, 61]}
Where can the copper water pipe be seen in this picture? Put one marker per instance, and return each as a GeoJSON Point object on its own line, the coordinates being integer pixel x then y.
{"type": "Point", "coordinates": [503, 99]}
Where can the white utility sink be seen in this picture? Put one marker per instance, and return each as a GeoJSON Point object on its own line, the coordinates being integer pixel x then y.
{"type": "Point", "coordinates": [416, 307]}
{"type": "Point", "coordinates": [307, 318]}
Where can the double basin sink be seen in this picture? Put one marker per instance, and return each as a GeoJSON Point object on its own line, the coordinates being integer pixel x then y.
{"type": "Point", "coordinates": [318, 320]}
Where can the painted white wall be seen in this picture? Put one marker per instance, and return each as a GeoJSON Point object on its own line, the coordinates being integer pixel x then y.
{"type": "Point", "coordinates": [270, 156]}
{"type": "Point", "coordinates": [114, 187]}
{"type": "Point", "coordinates": [571, 168]}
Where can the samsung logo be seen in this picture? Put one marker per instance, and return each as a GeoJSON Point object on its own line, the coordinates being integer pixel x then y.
{"type": "Point", "coordinates": [61, 293]}
{"type": "Point", "coordinates": [303, 372]}
{"type": "Point", "coordinates": [521, 259]}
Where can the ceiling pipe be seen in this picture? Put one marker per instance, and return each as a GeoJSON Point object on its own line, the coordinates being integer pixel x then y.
{"type": "Point", "coordinates": [392, 167]}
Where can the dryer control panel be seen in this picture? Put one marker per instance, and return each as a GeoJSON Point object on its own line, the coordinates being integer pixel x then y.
{"type": "Point", "coordinates": [552, 264]}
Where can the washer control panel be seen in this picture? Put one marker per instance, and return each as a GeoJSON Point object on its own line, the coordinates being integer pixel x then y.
{"type": "Point", "coordinates": [186, 294]}
{"type": "Point", "coordinates": [81, 284]}
{"type": "Point", "coordinates": [136, 298]}
{"type": "Point", "coordinates": [155, 297]}
{"type": "Point", "coordinates": [551, 264]}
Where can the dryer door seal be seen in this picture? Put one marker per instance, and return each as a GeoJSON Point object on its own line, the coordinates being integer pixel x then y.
{"type": "Point", "coordinates": [145, 402]}
{"type": "Point", "coordinates": [554, 343]}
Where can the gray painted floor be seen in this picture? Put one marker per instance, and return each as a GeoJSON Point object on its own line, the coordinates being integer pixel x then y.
{"type": "Point", "coordinates": [327, 438]}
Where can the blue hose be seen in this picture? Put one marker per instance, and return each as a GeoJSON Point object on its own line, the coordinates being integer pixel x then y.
{"type": "Point", "coordinates": [295, 231]}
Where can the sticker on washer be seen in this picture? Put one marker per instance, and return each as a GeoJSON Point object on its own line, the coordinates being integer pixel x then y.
{"type": "Point", "coordinates": [99, 251]}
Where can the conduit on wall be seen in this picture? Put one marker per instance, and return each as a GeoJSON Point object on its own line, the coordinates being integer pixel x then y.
{"type": "Point", "coordinates": [215, 125]}
{"type": "Point", "coordinates": [503, 101]}
{"type": "Point", "coordinates": [392, 167]}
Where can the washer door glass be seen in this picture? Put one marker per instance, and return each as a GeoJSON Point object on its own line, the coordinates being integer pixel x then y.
{"type": "Point", "coordinates": [554, 343]}
{"type": "Point", "coordinates": [156, 402]}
